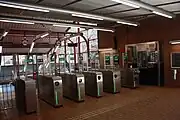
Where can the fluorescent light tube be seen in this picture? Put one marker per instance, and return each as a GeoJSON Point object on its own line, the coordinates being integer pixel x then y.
{"type": "Point", "coordinates": [85, 23]}
{"type": "Point", "coordinates": [13, 21]}
{"type": "Point", "coordinates": [126, 23]}
{"type": "Point", "coordinates": [5, 33]}
{"type": "Point", "coordinates": [104, 30]}
{"type": "Point", "coordinates": [61, 25]}
{"type": "Point", "coordinates": [87, 16]}
{"type": "Point", "coordinates": [56, 48]}
{"type": "Point", "coordinates": [44, 35]}
{"type": "Point", "coordinates": [0, 49]}
{"type": "Point", "coordinates": [174, 43]}
{"type": "Point", "coordinates": [23, 7]}
{"type": "Point", "coordinates": [32, 46]}
{"type": "Point", "coordinates": [128, 3]}
{"type": "Point", "coordinates": [162, 14]}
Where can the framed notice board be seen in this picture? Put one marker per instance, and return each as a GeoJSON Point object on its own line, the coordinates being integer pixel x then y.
{"type": "Point", "coordinates": [175, 60]}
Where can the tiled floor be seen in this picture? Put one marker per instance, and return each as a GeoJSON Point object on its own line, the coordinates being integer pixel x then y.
{"type": "Point", "coordinates": [144, 103]}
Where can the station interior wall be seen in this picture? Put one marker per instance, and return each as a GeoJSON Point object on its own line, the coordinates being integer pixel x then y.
{"type": "Point", "coordinates": [152, 29]}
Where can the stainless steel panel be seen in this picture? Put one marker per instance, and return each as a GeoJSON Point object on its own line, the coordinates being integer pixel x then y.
{"type": "Point", "coordinates": [93, 83]}
{"type": "Point", "coordinates": [130, 77]}
{"type": "Point", "coordinates": [111, 80]}
{"type": "Point", "coordinates": [51, 91]}
{"type": "Point", "coordinates": [26, 98]}
{"type": "Point", "coordinates": [73, 86]}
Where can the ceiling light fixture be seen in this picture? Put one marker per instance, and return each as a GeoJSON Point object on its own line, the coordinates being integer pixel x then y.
{"type": "Point", "coordinates": [23, 7]}
{"type": "Point", "coordinates": [128, 3]}
{"type": "Point", "coordinates": [85, 23]}
{"type": "Point", "coordinates": [106, 30]}
{"type": "Point", "coordinates": [126, 23]}
{"type": "Point", "coordinates": [14, 21]}
{"type": "Point", "coordinates": [32, 46]}
{"type": "Point", "coordinates": [87, 16]}
{"type": "Point", "coordinates": [0, 49]}
{"type": "Point", "coordinates": [174, 43]}
{"type": "Point", "coordinates": [44, 35]}
{"type": "Point", "coordinates": [162, 14]}
{"type": "Point", "coordinates": [5, 33]}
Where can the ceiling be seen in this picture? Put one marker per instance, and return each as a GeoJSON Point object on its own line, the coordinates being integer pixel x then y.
{"type": "Point", "coordinates": [98, 7]}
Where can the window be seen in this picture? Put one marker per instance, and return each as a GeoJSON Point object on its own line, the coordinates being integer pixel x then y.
{"type": "Point", "coordinates": [7, 60]}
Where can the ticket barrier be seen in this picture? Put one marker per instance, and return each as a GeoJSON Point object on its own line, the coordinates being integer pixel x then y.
{"type": "Point", "coordinates": [93, 83]}
{"type": "Point", "coordinates": [73, 86]}
{"type": "Point", "coordinates": [130, 77]}
{"type": "Point", "coordinates": [50, 90]}
{"type": "Point", "coordinates": [26, 97]}
{"type": "Point", "coordinates": [111, 80]}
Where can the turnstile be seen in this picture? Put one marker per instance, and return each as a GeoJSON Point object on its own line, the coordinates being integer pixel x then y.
{"type": "Point", "coordinates": [73, 86]}
{"type": "Point", "coordinates": [111, 80]}
{"type": "Point", "coordinates": [50, 90]}
{"type": "Point", "coordinates": [93, 83]}
{"type": "Point", "coordinates": [130, 77]}
{"type": "Point", "coordinates": [26, 98]}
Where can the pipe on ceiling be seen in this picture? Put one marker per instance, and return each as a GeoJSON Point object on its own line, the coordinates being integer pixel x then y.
{"type": "Point", "coordinates": [70, 12]}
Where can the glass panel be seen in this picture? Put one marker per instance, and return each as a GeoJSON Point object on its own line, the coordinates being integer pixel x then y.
{"type": "Point", "coordinates": [93, 45]}
{"type": "Point", "coordinates": [74, 39]}
{"type": "Point", "coordinates": [85, 34]}
{"type": "Point", "coordinates": [22, 59]}
{"type": "Point", "coordinates": [85, 57]}
{"type": "Point", "coordinates": [83, 47]}
{"type": "Point", "coordinates": [61, 50]}
{"type": "Point", "coordinates": [92, 34]}
{"type": "Point", "coordinates": [7, 60]}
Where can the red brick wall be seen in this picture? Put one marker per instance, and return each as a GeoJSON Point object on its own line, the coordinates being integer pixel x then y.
{"type": "Point", "coordinates": [106, 39]}
{"type": "Point", "coordinates": [153, 29]}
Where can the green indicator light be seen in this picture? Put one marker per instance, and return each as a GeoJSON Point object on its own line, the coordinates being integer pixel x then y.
{"type": "Point", "coordinates": [98, 89]}
{"type": "Point", "coordinates": [114, 86]}
{"type": "Point", "coordinates": [79, 95]}
{"type": "Point", "coordinates": [56, 96]}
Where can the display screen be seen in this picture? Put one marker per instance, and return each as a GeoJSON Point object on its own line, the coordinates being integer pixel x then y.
{"type": "Point", "coordinates": [175, 60]}
{"type": "Point", "coordinates": [116, 59]}
{"type": "Point", "coordinates": [107, 60]}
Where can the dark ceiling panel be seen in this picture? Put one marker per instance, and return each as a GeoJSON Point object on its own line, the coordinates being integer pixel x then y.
{"type": "Point", "coordinates": [171, 7]}
{"type": "Point", "coordinates": [156, 2]}
{"type": "Point", "coordinates": [113, 9]}
{"type": "Point", "coordinates": [56, 3]}
{"type": "Point", "coordinates": [131, 13]}
{"type": "Point", "coordinates": [87, 5]}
